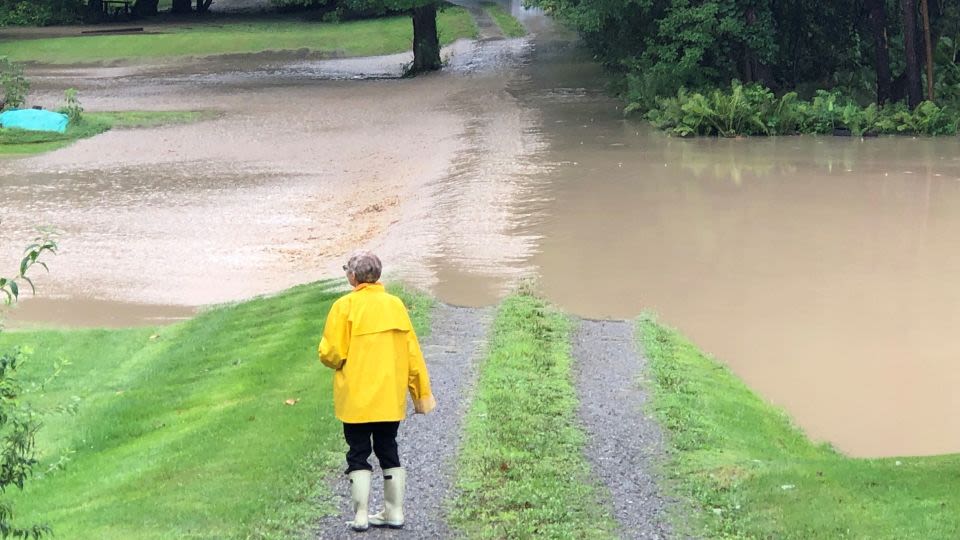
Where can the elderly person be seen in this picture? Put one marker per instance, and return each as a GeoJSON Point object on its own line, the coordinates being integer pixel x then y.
{"type": "Point", "coordinates": [370, 343]}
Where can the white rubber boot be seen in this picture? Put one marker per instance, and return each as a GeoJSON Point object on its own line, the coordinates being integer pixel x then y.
{"type": "Point", "coordinates": [394, 482]}
{"type": "Point", "coordinates": [360, 494]}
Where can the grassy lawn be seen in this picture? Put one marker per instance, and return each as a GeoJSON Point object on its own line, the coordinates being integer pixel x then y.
{"type": "Point", "coordinates": [17, 142]}
{"type": "Point", "coordinates": [748, 473]}
{"type": "Point", "coordinates": [183, 431]}
{"type": "Point", "coordinates": [357, 38]}
{"type": "Point", "coordinates": [522, 473]}
{"type": "Point", "coordinates": [510, 26]}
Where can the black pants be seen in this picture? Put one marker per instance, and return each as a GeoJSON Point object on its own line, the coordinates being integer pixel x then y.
{"type": "Point", "coordinates": [384, 435]}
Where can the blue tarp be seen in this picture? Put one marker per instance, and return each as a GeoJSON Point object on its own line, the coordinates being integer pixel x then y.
{"type": "Point", "coordinates": [34, 120]}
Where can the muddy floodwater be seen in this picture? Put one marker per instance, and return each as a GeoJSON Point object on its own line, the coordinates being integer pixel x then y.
{"type": "Point", "coordinates": [824, 271]}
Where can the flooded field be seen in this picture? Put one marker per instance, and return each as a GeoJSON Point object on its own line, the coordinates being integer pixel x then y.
{"type": "Point", "coordinates": [822, 270]}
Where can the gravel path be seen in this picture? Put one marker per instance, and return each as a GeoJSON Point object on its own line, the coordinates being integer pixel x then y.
{"type": "Point", "coordinates": [428, 444]}
{"type": "Point", "coordinates": [623, 443]}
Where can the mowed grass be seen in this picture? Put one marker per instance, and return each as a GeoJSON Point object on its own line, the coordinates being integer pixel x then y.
{"type": "Point", "coordinates": [522, 473]}
{"type": "Point", "coordinates": [18, 142]}
{"type": "Point", "coordinates": [357, 38]}
{"type": "Point", "coordinates": [748, 473]}
{"type": "Point", "coordinates": [184, 431]}
{"type": "Point", "coordinates": [509, 25]}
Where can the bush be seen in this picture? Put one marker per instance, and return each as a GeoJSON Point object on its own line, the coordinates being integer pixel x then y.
{"type": "Point", "coordinates": [14, 85]}
{"type": "Point", "coordinates": [18, 422]}
{"type": "Point", "coordinates": [72, 108]}
{"type": "Point", "coordinates": [755, 110]}
{"type": "Point", "coordinates": [33, 13]}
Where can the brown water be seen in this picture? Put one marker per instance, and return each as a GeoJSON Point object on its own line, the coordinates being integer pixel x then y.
{"type": "Point", "coordinates": [822, 270]}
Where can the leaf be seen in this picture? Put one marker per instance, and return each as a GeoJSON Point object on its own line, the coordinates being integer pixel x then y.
{"type": "Point", "coordinates": [33, 290]}
{"type": "Point", "coordinates": [15, 289]}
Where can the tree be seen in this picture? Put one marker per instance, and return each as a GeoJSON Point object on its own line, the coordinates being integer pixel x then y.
{"type": "Point", "coordinates": [423, 13]}
{"type": "Point", "coordinates": [877, 15]}
{"type": "Point", "coordinates": [910, 52]}
{"type": "Point", "coordinates": [181, 6]}
{"type": "Point", "coordinates": [18, 424]}
{"type": "Point", "coordinates": [928, 52]}
{"type": "Point", "coordinates": [203, 6]}
{"type": "Point", "coordinates": [145, 8]}
{"type": "Point", "coordinates": [426, 41]}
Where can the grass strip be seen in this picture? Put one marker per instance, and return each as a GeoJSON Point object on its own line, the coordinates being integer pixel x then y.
{"type": "Point", "coordinates": [747, 472]}
{"type": "Point", "coordinates": [18, 142]}
{"type": "Point", "coordinates": [522, 471]}
{"type": "Point", "coordinates": [356, 38]}
{"type": "Point", "coordinates": [184, 431]}
{"type": "Point", "coordinates": [508, 24]}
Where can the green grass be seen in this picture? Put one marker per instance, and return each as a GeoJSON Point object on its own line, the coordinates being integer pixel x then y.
{"type": "Point", "coordinates": [522, 472]}
{"type": "Point", "coordinates": [182, 431]}
{"type": "Point", "coordinates": [509, 25]}
{"type": "Point", "coordinates": [358, 38]}
{"type": "Point", "coordinates": [18, 142]}
{"type": "Point", "coordinates": [747, 472]}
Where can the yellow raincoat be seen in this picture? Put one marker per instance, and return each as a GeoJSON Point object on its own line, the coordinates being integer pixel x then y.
{"type": "Point", "coordinates": [369, 340]}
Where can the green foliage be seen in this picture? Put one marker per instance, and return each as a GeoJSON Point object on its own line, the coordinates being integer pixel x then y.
{"type": "Point", "coordinates": [750, 110]}
{"type": "Point", "coordinates": [754, 110]}
{"type": "Point", "coordinates": [947, 71]}
{"type": "Point", "coordinates": [522, 473]}
{"type": "Point", "coordinates": [39, 12]}
{"type": "Point", "coordinates": [19, 423]}
{"type": "Point", "coordinates": [18, 430]}
{"type": "Point", "coordinates": [745, 472]}
{"type": "Point", "coordinates": [45, 243]}
{"type": "Point", "coordinates": [14, 85]}
{"type": "Point", "coordinates": [72, 107]}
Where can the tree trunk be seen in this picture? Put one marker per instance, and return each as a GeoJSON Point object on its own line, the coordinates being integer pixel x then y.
{"type": "Point", "coordinates": [750, 66]}
{"type": "Point", "coordinates": [910, 52]}
{"type": "Point", "coordinates": [93, 12]}
{"type": "Point", "coordinates": [426, 42]}
{"type": "Point", "coordinates": [924, 10]}
{"type": "Point", "coordinates": [145, 8]}
{"type": "Point", "coordinates": [203, 6]}
{"type": "Point", "coordinates": [181, 6]}
{"type": "Point", "coordinates": [881, 57]}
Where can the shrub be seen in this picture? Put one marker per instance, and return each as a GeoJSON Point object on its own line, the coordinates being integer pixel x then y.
{"type": "Point", "coordinates": [930, 119]}
{"type": "Point", "coordinates": [726, 114]}
{"type": "Point", "coordinates": [72, 107]}
{"type": "Point", "coordinates": [18, 422]}
{"type": "Point", "coordinates": [755, 110]}
{"type": "Point", "coordinates": [14, 85]}
{"type": "Point", "coordinates": [32, 13]}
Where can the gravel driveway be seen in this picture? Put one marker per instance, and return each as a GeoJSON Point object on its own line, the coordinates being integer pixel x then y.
{"type": "Point", "coordinates": [623, 443]}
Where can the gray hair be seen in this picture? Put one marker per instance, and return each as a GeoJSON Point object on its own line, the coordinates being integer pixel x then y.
{"type": "Point", "coordinates": [365, 266]}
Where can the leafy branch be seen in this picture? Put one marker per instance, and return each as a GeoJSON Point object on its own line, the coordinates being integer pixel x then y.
{"type": "Point", "coordinates": [45, 243]}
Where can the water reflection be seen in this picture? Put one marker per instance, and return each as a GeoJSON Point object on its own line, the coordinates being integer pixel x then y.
{"type": "Point", "coordinates": [821, 269]}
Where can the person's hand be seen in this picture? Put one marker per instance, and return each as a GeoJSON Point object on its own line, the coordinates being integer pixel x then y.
{"type": "Point", "coordinates": [424, 405]}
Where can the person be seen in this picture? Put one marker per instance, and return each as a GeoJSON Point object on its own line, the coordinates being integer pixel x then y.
{"type": "Point", "coordinates": [369, 342]}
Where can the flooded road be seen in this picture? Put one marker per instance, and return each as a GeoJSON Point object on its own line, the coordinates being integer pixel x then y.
{"type": "Point", "coordinates": [822, 270]}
